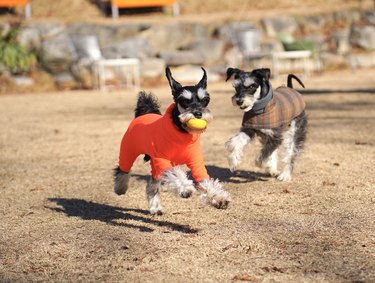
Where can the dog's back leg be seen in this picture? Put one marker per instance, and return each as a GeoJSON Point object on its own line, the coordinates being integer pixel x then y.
{"type": "Point", "coordinates": [121, 181]}
{"type": "Point", "coordinates": [271, 140]}
{"type": "Point", "coordinates": [152, 192]}
{"type": "Point", "coordinates": [294, 140]}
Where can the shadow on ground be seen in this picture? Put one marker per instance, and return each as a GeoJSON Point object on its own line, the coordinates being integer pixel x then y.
{"type": "Point", "coordinates": [113, 215]}
{"type": "Point", "coordinates": [223, 174]}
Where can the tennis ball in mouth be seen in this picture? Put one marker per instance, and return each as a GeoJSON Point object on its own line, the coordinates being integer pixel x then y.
{"type": "Point", "coordinates": [196, 124]}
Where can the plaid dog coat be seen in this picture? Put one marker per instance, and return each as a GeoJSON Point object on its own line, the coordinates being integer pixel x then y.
{"type": "Point", "coordinates": [285, 104]}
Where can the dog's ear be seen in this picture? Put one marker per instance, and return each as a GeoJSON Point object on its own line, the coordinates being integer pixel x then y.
{"type": "Point", "coordinates": [203, 82]}
{"type": "Point", "coordinates": [231, 71]}
{"type": "Point", "coordinates": [175, 85]}
{"type": "Point", "coordinates": [263, 73]}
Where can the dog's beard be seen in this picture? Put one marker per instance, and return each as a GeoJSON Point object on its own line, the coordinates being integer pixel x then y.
{"type": "Point", "coordinates": [187, 114]}
{"type": "Point", "coordinates": [248, 101]}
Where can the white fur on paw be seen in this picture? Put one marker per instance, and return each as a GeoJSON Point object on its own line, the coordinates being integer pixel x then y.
{"type": "Point", "coordinates": [235, 146]}
{"type": "Point", "coordinates": [176, 179]}
{"type": "Point", "coordinates": [156, 211]}
{"type": "Point", "coordinates": [214, 194]}
{"type": "Point", "coordinates": [259, 161]}
{"type": "Point", "coordinates": [155, 206]}
{"type": "Point", "coordinates": [284, 176]}
{"type": "Point", "coordinates": [272, 171]}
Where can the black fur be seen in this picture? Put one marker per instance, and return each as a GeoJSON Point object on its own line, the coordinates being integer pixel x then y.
{"type": "Point", "coordinates": [290, 83]}
{"type": "Point", "coordinates": [117, 172]}
{"type": "Point", "coordinates": [146, 104]}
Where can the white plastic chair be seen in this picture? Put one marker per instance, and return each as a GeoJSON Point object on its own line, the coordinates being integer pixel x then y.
{"type": "Point", "coordinates": [87, 46]}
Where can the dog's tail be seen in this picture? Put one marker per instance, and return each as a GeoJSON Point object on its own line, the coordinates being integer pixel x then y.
{"type": "Point", "coordinates": [147, 103]}
{"type": "Point", "coordinates": [291, 77]}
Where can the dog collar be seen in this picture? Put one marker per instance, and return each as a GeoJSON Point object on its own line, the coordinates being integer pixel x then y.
{"type": "Point", "coordinates": [259, 105]}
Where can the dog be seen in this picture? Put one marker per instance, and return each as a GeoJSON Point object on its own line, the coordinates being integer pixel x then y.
{"type": "Point", "coordinates": [277, 116]}
{"type": "Point", "coordinates": [167, 142]}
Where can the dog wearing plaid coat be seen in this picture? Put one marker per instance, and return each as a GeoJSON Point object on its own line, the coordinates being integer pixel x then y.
{"type": "Point", "coordinates": [277, 116]}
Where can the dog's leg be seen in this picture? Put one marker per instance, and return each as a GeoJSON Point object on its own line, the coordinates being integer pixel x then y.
{"type": "Point", "coordinates": [290, 153]}
{"type": "Point", "coordinates": [152, 192]}
{"type": "Point", "coordinates": [271, 164]}
{"type": "Point", "coordinates": [121, 181]}
{"type": "Point", "coordinates": [176, 179]}
{"type": "Point", "coordinates": [235, 146]}
{"type": "Point", "coordinates": [214, 194]}
{"type": "Point", "coordinates": [294, 140]}
{"type": "Point", "coordinates": [271, 141]}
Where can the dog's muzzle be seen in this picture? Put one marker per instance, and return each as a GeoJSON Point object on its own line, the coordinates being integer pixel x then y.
{"type": "Point", "coordinates": [197, 114]}
{"type": "Point", "coordinates": [236, 101]}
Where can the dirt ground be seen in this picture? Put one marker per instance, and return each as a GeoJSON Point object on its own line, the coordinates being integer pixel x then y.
{"type": "Point", "coordinates": [61, 222]}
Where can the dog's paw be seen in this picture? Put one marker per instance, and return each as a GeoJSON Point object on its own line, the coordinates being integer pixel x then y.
{"type": "Point", "coordinates": [284, 176]}
{"type": "Point", "coordinates": [259, 161]}
{"type": "Point", "coordinates": [229, 145]}
{"type": "Point", "coordinates": [157, 211]}
{"type": "Point", "coordinates": [272, 172]}
{"type": "Point", "coordinates": [186, 194]}
{"type": "Point", "coordinates": [220, 202]}
{"type": "Point", "coordinates": [214, 194]}
{"type": "Point", "coordinates": [233, 168]}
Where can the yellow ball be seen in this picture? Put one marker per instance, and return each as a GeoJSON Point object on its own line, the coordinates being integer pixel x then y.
{"type": "Point", "coordinates": [196, 124]}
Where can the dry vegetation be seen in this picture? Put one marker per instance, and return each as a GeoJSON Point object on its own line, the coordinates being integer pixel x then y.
{"type": "Point", "coordinates": [61, 222]}
{"type": "Point", "coordinates": [86, 10]}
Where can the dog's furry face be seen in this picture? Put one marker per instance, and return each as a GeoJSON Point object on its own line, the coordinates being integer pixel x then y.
{"type": "Point", "coordinates": [249, 86]}
{"type": "Point", "coordinates": [191, 101]}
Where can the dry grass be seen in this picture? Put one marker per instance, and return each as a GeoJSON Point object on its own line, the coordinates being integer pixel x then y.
{"type": "Point", "coordinates": [213, 10]}
{"type": "Point", "coordinates": [61, 222]}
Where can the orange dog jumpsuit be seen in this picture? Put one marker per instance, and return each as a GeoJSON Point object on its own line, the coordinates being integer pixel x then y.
{"type": "Point", "coordinates": [158, 137]}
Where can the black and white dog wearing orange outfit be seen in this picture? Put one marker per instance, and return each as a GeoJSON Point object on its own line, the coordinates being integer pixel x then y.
{"type": "Point", "coordinates": [168, 141]}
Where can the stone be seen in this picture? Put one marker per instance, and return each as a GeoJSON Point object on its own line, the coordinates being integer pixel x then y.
{"type": "Point", "coordinates": [312, 23]}
{"type": "Point", "coordinates": [182, 57]}
{"type": "Point", "coordinates": [341, 41]}
{"type": "Point", "coordinates": [64, 80]}
{"type": "Point", "coordinates": [107, 33]}
{"type": "Point", "coordinates": [190, 74]}
{"type": "Point", "coordinates": [167, 37]}
{"type": "Point", "coordinates": [29, 38]}
{"type": "Point", "coordinates": [212, 50]}
{"type": "Point", "coordinates": [152, 67]}
{"type": "Point", "coordinates": [364, 60]}
{"type": "Point", "coordinates": [369, 17]}
{"type": "Point", "coordinates": [363, 36]}
{"type": "Point", "coordinates": [282, 24]}
{"type": "Point", "coordinates": [132, 47]}
{"type": "Point", "coordinates": [58, 53]}
{"type": "Point", "coordinates": [23, 81]}
{"type": "Point", "coordinates": [228, 32]}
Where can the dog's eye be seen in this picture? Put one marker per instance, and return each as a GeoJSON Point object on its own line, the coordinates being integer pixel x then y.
{"type": "Point", "coordinates": [253, 86]}
{"type": "Point", "coordinates": [205, 101]}
{"type": "Point", "coordinates": [184, 102]}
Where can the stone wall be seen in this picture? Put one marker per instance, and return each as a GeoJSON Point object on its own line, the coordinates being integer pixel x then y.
{"type": "Point", "coordinates": [195, 44]}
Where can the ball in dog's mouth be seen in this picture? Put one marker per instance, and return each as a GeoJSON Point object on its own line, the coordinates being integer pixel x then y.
{"type": "Point", "coordinates": [196, 124]}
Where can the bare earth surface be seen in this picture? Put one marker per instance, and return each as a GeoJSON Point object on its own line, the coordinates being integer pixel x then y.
{"type": "Point", "coordinates": [61, 222]}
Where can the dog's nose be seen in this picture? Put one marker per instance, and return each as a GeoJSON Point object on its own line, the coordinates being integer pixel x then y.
{"type": "Point", "coordinates": [239, 102]}
{"type": "Point", "coordinates": [198, 114]}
